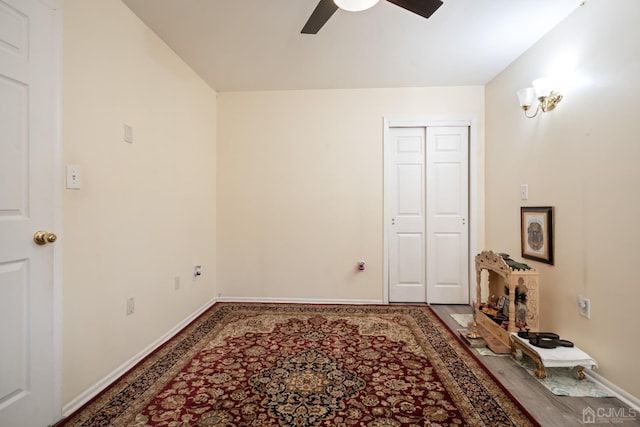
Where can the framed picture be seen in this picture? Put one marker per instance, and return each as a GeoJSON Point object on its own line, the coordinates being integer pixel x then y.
{"type": "Point", "coordinates": [536, 235]}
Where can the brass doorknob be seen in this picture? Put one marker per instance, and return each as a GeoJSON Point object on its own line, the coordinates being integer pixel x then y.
{"type": "Point", "coordinates": [43, 237]}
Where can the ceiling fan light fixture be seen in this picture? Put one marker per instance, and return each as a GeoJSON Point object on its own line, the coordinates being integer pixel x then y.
{"type": "Point", "coordinates": [355, 5]}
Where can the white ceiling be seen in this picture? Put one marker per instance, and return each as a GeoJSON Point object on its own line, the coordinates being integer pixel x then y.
{"type": "Point", "coordinates": [238, 45]}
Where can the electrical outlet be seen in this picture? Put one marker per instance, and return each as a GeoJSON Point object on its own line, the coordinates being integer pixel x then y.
{"type": "Point", "coordinates": [584, 306]}
{"type": "Point", "coordinates": [131, 306]}
{"type": "Point", "coordinates": [176, 282]}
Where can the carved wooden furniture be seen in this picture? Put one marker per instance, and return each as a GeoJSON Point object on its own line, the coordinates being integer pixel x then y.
{"type": "Point", "coordinates": [571, 357]}
{"type": "Point", "coordinates": [501, 275]}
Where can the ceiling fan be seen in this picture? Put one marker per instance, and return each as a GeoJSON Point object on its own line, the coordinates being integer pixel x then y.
{"type": "Point", "coordinates": [326, 8]}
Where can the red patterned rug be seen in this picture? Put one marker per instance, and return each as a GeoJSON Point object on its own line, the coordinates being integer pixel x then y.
{"type": "Point", "coordinates": [307, 365]}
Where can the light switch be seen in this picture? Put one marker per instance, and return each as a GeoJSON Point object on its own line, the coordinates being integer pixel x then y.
{"type": "Point", "coordinates": [524, 191]}
{"type": "Point", "coordinates": [73, 177]}
{"type": "Point", "coordinates": [128, 134]}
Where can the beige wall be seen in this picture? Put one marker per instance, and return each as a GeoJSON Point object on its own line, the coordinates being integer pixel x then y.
{"type": "Point", "coordinates": [300, 180]}
{"type": "Point", "coordinates": [582, 159]}
{"type": "Point", "coordinates": [146, 211]}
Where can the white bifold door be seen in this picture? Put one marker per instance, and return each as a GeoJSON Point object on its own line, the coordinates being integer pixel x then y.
{"type": "Point", "coordinates": [427, 203]}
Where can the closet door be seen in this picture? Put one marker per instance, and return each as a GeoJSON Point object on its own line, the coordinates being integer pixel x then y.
{"type": "Point", "coordinates": [426, 206]}
{"type": "Point", "coordinates": [406, 203]}
{"type": "Point", "coordinates": [447, 215]}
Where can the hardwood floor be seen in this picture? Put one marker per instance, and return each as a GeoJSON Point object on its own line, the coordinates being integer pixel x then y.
{"type": "Point", "coordinates": [547, 408]}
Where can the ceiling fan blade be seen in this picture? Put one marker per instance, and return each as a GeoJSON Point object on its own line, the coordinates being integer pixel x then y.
{"type": "Point", "coordinates": [421, 7]}
{"type": "Point", "coordinates": [321, 14]}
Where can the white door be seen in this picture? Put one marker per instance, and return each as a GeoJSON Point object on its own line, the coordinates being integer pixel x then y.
{"type": "Point", "coordinates": [28, 137]}
{"type": "Point", "coordinates": [426, 203]}
{"type": "Point", "coordinates": [405, 175]}
{"type": "Point", "coordinates": [447, 215]}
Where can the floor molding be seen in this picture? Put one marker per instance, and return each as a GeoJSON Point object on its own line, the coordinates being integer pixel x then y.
{"type": "Point", "coordinates": [621, 394]}
{"type": "Point", "coordinates": [299, 300]}
{"type": "Point", "coordinates": [101, 385]}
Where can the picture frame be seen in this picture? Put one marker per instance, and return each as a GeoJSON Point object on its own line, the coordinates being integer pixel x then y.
{"type": "Point", "coordinates": [536, 233]}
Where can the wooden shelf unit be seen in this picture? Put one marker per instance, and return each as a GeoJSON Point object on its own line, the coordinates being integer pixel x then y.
{"type": "Point", "coordinates": [501, 275]}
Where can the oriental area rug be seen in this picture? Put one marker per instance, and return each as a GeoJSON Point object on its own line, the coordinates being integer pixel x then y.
{"type": "Point", "coordinates": [269, 365]}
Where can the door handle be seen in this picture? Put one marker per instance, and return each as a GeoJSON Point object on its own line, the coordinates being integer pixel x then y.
{"type": "Point", "coordinates": [43, 237]}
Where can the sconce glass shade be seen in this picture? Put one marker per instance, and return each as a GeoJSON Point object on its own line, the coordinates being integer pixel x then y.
{"type": "Point", "coordinates": [355, 5]}
{"type": "Point", "coordinates": [542, 87]}
{"type": "Point", "coordinates": [526, 96]}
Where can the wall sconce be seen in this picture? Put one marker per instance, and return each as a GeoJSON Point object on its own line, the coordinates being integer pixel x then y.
{"type": "Point", "coordinates": [547, 98]}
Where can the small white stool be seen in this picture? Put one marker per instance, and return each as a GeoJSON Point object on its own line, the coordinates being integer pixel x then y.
{"type": "Point", "coordinates": [552, 357]}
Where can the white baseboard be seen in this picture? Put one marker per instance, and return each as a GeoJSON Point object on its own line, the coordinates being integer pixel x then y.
{"type": "Point", "coordinates": [298, 300]}
{"type": "Point", "coordinates": [621, 394]}
{"type": "Point", "coordinates": [98, 387]}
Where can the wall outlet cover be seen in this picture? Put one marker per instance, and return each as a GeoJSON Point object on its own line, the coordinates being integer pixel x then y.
{"type": "Point", "coordinates": [584, 306]}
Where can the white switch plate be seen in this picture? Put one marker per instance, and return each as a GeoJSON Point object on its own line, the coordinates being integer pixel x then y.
{"type": "Point", "coordinates": [73, 177]}
{"type": "Point", "coordinates": [524, 191]}
{"type": "Point", "coordinates": [131, 306]}
{"type": "Point", "coordinates": [128, 134]}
